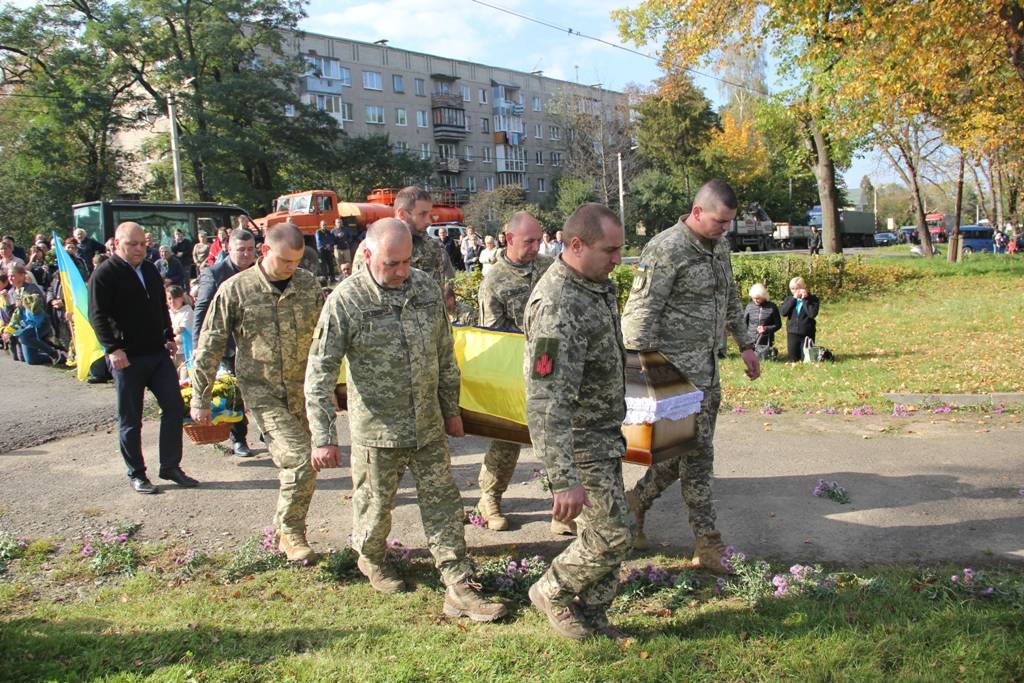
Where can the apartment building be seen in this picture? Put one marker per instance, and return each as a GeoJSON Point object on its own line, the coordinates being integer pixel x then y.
{"type": "Point", "coordinates": [481, 126]}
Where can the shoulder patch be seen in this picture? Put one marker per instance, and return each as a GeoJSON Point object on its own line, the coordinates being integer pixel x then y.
{"type": "Point", "coordinates": [544, 358]}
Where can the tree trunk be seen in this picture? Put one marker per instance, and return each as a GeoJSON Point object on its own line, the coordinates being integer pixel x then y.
{"type": "Point", "coordinates": [997, 190]}
{"type": "Point", "coordinates": [1012, 15]}
{"type": "Point", "coordinates": [825, 174]}
{"type": "Point", "coordinates": [954, 238]}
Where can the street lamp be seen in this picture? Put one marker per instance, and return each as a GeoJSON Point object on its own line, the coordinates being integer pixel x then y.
{"type": "Point", "coordinates": [622, 194]}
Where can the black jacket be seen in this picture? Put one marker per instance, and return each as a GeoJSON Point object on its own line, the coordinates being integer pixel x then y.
{"type": "Point", "coordinates": [210, 280]}
{"type": "Point", "coordinates": [766, 315]}
{"type": "Point", "coordinates": [126, 315]}
{"type": "Point", "coordinates": [804, 323]}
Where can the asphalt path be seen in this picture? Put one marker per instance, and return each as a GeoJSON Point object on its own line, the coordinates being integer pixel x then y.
{"type": "Point", "coordinates": [928, 489]}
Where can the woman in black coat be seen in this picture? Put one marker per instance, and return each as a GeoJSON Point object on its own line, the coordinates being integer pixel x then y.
{"type": "Point", "coordinates": [800, 310]}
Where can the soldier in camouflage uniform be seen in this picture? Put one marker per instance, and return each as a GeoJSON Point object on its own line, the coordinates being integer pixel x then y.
{"type": "Point", "coordinates": [683, 299]}
{"type": "Point", "coordinates": [575, 404]}
{"type": "Point", "coordinates": [403, 396]}
{"type": "Point", "coordinates": [270, 311]}
{"type": "Point", "coordinates": [459, 313]}
{"type": "Point", "coordinates": [502, 296]}
{"type": "Point", "coordinates": [413, 206]}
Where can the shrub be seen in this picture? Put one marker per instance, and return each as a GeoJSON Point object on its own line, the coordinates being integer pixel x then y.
{"type": "Point", "coordinates": [11, 548]}
{"type": "Point", "coordinates": [113, 552]}
{"type": "Point", "coordinates": [466, 286]}
{"type": "Point", "coordinates": [828, 277]}
{"type": "Point", "coordinates": [510, 577]}
{"type": "Point", "coordinates": [258, 554]}
{"type": "Point", "coordinates": [339, 565]}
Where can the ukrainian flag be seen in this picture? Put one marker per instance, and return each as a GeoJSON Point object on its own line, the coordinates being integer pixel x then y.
{"type": "Point", "coordinates": [76, 300]}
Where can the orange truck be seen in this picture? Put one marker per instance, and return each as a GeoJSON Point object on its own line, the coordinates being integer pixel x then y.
{"type": "Point", "coordinates": [306, 209]}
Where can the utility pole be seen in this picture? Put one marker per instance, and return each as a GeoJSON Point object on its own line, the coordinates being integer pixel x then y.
{"type": "Point", "coordinates": [171, 114]}
{"type": "Point", "coordinates": [622, 195]}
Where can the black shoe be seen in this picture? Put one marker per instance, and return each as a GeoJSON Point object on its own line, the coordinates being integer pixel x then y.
{"type": "Point", "coordinates": [143, 485]}
{"type": "Point", "coordinates": [241, 450]}
{"type": "Point", "coordinates": [178, 476]}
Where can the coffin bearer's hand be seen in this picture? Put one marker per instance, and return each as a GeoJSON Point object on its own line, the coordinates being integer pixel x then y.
{"type": "Point", "coordinates": [324, 457]}
{"type": "Point", "coordinates": [569, 504]}
{"type": "Point", "coordinates": [752, 363]}
{"type": "Point", "coordinates": [200, 415]}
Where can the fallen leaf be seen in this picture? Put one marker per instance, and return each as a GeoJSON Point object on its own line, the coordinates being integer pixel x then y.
{"type": "Point", "coordinates": [644, 654]}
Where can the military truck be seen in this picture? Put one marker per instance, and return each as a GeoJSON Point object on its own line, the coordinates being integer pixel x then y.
{"type": "Point", "coordinates": [751, 229]}
{"type": "Point", "coordinates": [856, 227]}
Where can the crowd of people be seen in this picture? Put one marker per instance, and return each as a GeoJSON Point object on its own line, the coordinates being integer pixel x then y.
{"type": "Point", "coordinates": [219, 303]}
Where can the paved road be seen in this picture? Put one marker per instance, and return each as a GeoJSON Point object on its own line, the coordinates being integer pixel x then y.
{"type": "Point", "coordinates": [39, 404]}
{"type": "Point", "coordinates": [924, 490]}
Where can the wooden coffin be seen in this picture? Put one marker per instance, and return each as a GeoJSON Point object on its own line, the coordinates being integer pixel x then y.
{"type": "Point", "coordinates": [649, 376]}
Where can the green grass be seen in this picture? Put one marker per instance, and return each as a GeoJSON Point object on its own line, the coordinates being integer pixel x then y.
{"type": "Point", "coordinates": [956, 329]}
{"type": "Point", "coordinates": [288, 624]}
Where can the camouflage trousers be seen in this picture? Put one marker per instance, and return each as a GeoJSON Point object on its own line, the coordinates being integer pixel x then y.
{"type": "Point", "coordinates": [376, 473]}
{"type": "Point", "coordinates": [288, 440]}
{"type": "Point", "coordinates": [589, 567]}
{"type": "Point", "coordinates": [694, 469]}
{"type": "Point", "coordinates": [498, 468]}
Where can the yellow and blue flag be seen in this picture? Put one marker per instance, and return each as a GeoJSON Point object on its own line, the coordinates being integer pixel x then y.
{"type": "Point", "coordinates": [76, 301]}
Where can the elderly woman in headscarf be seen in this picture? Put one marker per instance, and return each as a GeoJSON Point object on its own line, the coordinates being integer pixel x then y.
{"type": "Point", "coordinates": [800, 309]}
{"type": "Point", "coordinates": [763, 320]}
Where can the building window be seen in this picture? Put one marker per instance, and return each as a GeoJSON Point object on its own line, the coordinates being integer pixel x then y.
{"type": "Point", "coordinates": [374, 114]}
{"type": "Point", "coordinates": [556, 133]}
{"type": "Point", "coordinates": [469, 153]}
{"type": "Point", "coordinates": [372, 80]}
{"type": "Point", "coordinates": [471, 184]}
{"type": "Point", "coordinates": [289, 110]}
{"type": "Point", "coordinates": [538, 130]}
{"type": "Point", "coordinates": [325, 67]}
{"type": "Point", "coordinates": [401, 147]}
{"type": "Point", "coordinates": [483, 95]}
{"type": "Point", "coordinates": [539, 158]}
{"type": "Point", "coordinates": [452, 118]}
{"type": "Point", "coordinates": [485, 125]}
{"type": "Point", "coordinates": [536, 103]}
{"type": "Point", "coordinates": [397, 83]}
{"type": "Point", "coordinates": [446, 150]}
{"type": "Point", "coordinates": [420, 87]}
{"type": "Point", "coordinates": [442, 88]}
{"type": "Point", "coordinates": [526, 183]}
{"type": "Point", "coordinates": [424, 150]}
{"type": "Point", "coordinates": [487, 155]}
{"type": "Point", "coordinates": [556, 158]}
{"type": "Point", "coordinates": [468, 127]}
{"type": "Point", "coordinates": [346, 76]}
{"type": "Point", "coordinates": [401, 118]}
{"type": "Point", "coordinates": [489, 183]}
{"type": "Point", "coordinates": [346, 111]}
{"type": "Point", "coordinates": [467, 94]}
{"type": "Point", "coordinates": [540, 185]}
{"type": "Point", "coordinates": [421, 118]}
{"type": "Point", "coordinates": [331, 104]}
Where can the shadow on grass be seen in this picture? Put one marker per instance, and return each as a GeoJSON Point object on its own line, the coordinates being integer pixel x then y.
{"type": "Point", "coordinates": [40, 649]}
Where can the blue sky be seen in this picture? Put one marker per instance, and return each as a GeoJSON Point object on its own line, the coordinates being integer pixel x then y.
{"type": "Point", "coordinates": [472, 31]}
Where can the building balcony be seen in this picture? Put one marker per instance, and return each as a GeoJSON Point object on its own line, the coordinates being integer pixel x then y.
{"type": "Point", "coordinates": [450, 100]}
{"type": "Point", "coordinates": [453, 165]}
{"type": "Point", "coordinates": [326, 86]}
{"type": "Point", "coordinates": [444, 132]}
{"type": "Point", "coordinates": [507, 108]}
{"type": "Point", "coordinates": [510, 166]}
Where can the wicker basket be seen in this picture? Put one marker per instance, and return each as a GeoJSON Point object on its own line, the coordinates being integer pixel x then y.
{"type": "Point", "coordinates": [207, 434]}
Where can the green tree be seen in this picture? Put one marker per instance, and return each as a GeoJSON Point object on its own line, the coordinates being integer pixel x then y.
{"type": "Point", "coordinates": [570, 194]}
{"type": "Point", "coordinates": [489, 211]}
{"type": "Point", "coordinates": [658, 200]}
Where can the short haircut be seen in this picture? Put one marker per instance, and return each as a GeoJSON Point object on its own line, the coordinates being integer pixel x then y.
{"type": "Point", "coordinates": [77, 231]}
{"type": "Point", "coordinates": [408, 196]}
{"type": "Point", "coordinates": [797, 282]}
{"type": "Point", "coordinates": [587, 223]}
{"type": "Point", "coordinates": [714, 194]}
{"type": "Point", "coordinates": [517, 219]}
{"type": "Point", "coordinates": [287, 233]}
{"type": "Point", "coordinates": [383, 227]}
{"type": "Point", "coordinates": [17, 268]}
{"type": "Point", "coordinates": [174, 291]}
{"type": "Point", "coordinates": [757, 290]}
{"type": "Point", "coordinates": [242, 235]}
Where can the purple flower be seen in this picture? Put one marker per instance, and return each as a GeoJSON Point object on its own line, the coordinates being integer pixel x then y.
{"type": "Point", "coordinates": [862, 411]}
{"type": "Point", "coordinates": [900, 410]}
{"type": "Point", "coordinates": [998, 410]}
{"type": "Point", "coordinates": [769, 409]}
{"type": "Point", "coordinates": [942, 410]}
{"type": "Point", "coordinates": [719, 585]}
{"type": "Point", "coordinates": [987, 592]}
{"type": "Point", "coordinates": [477, 520]}
{"type": "Point", "coordinates": [955, 578]}
{"type": "Point", "coordinates": [781, 584]}
{"type": "Point", "coordinates": [968, 575]}
{"type": "Point", "coordinates": [799, 571]}
{"type": "Point", "coordinates": [739, 409]}
{"type": "Point", "coordinates": [87, 550]}
{"type": "Point", "coordinates": [831, 411]}
{"type": "Point", "coordinates": [538, 473]}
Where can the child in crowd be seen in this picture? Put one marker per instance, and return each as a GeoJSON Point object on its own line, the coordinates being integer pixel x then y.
{"type": "Point", "coordinates": [181, 323]}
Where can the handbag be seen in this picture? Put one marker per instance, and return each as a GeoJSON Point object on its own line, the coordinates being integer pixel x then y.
{"type": "Point", "coordinates": [810, 351]}
{"type": "Point", "coordinates": [765, 351]}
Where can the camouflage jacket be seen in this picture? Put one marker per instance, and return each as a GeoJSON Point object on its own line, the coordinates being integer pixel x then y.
{"type": "Point", "coordinates": [402, 379]}
{"type": "Point", "coordinates": [428, 255]}
{"type": "Point", "coordinates": [464, 314]}
{"type": "Point", "coordinates": [574, 365]}
{"type": "Point", "coordinates": [683, 299]}
{"type": "Point", "coordinates": [505, 290]}
{"type": "Point", "coordinates": [272, 332]}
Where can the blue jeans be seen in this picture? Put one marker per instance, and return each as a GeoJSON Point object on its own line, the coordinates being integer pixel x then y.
{"type": "Point", "coordinates": [34, 350]}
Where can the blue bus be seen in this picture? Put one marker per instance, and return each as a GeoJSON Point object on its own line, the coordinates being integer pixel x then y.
{"type": "Point", "coordinates": [976, 238]}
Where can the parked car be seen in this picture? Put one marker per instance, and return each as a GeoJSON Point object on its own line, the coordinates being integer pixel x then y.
{"type": "Point", "coordinates": [884, 239]}
{"type": "Point", "coordinates": [455, 230]}
{"type": "Point", "coordinates": [976, 238]}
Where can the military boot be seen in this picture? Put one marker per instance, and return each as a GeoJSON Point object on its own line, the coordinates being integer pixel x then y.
{"type": "Point", "coordinates": [464, 600]}
{"type": "Point", "coordinates": [709, 553]}
{"type": "Point", "coordinates": [563, 528]}
{"type": "Point", "coordinates": [566, 620]}
{"type": "Point", "coordinates": [383, 577]}
{"type": "Point", "coordinates": [295, 547]}
{"type": "Point", "coordinates": [490, 509]}
{"type": "Point", "coordinates": [598, 620]}
{"type": "Point", "coordinates": [636, 507]}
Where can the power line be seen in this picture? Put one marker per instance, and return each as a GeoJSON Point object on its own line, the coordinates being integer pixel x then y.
{"type": "Point", "coordinates": [580, 34]}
